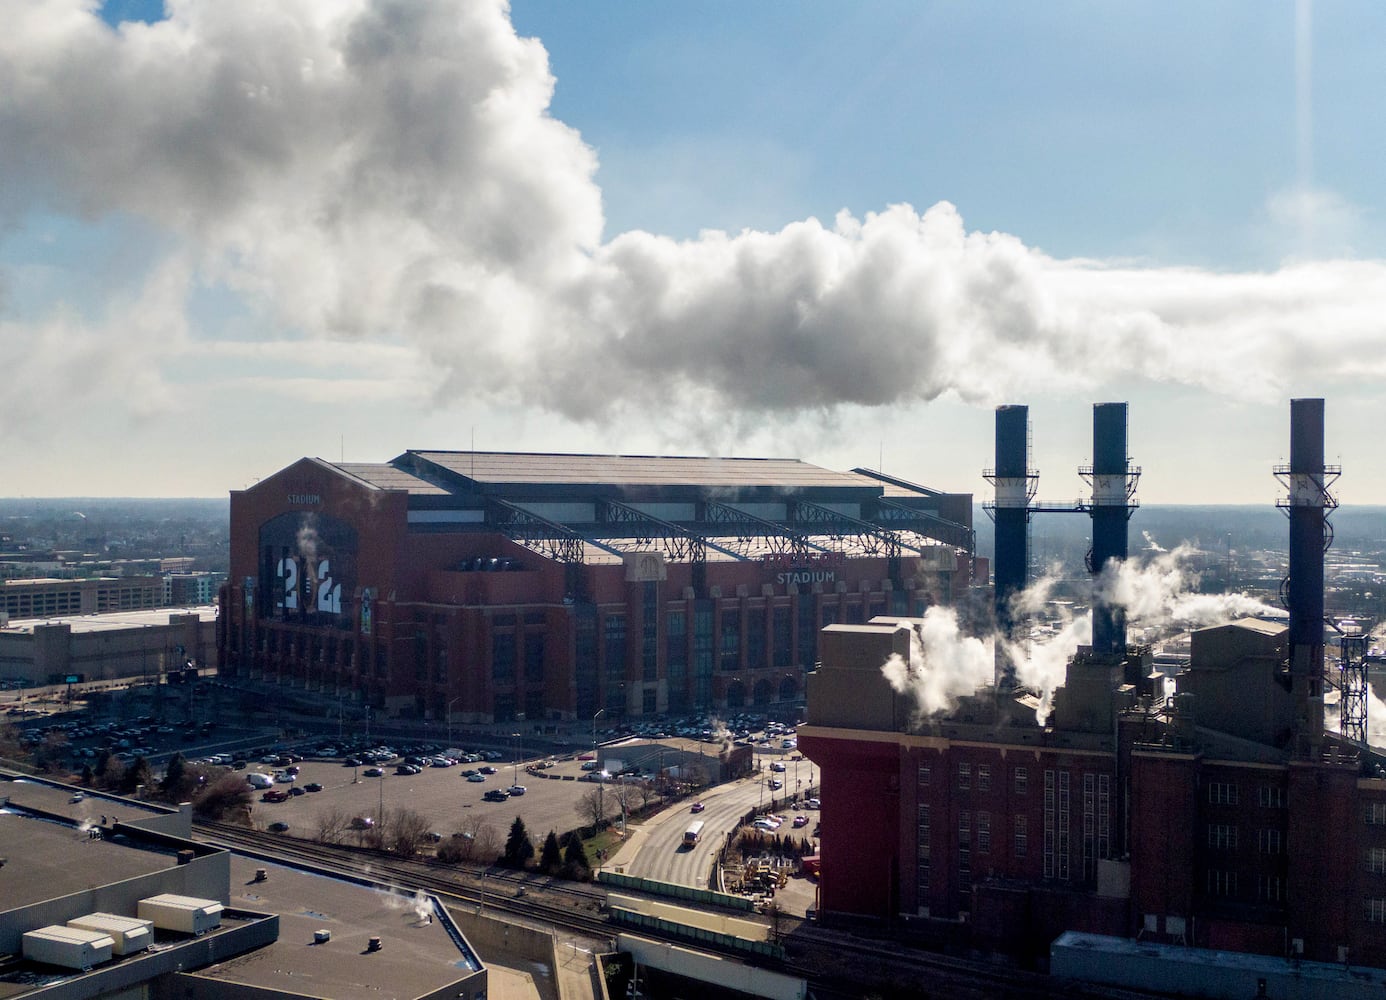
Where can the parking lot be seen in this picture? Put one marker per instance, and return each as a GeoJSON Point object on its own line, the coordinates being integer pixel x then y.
{"type": "Point", "coordinates": [451, 803]}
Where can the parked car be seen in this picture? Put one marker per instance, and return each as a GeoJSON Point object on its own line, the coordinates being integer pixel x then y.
{"type": "Point", "coordinates": [516, 789]}
{"type": "Point", "coordinates": [488, 769]}
{"type": "Point", "coordinates": [698, 807]}
{"type": "Point", "coordinates": [476, 776]}
{"type": "Point", "coordinates": [278, 827]}
{"type": "Point", "coordinates": [496, 795]}
{"type": "Point", "coordinates": [312, 786]}
{"type": "Point", "coordinates": [778, 766]}
{"type": "Point", "coordinates": [296, 790]}
{"type": "Point", "coordinates": [373, 772]}
{"type": "Point", "coordinates": [274, 795]}
{"type": "Point", "coordinates": [800, 821]}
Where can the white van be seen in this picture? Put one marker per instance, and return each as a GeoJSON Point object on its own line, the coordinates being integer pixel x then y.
{"type": "Point", "coordinates": [259, 779]}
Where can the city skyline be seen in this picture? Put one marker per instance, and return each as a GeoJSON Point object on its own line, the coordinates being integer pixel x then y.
{"type": "Point", "coordinates": [235, 235]}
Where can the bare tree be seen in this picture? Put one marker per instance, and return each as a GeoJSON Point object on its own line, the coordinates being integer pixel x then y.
{"type": "Point", "coordinates": [331, 825]}
{"type": "Point", "coordinates": [406, 830]}
{"type": "Point", "coordinates": [592, 806]}
{"type": "Point", "coordinates": [486, 845]}
{"type": "Point", "coordinates": [224, 798]}
{"type": "Point", "coordinates": [647, 794]}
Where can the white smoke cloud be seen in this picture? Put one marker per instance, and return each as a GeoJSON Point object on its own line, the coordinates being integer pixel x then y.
{"type": "Point", "coordinates": [944, 664]}
{"type": "Point", "coordinates": [1151, 544]}
{"type": "Point", "coordinates": [389, 171]}
{"type": "Point", "coordinates": [1157, 593]}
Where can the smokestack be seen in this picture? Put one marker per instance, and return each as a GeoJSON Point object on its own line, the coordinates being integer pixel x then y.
{"type": "Point", "coordinates": [1307, 504]}
{"type": "Point", "coordinates": [1113, 499]}
{"type": "Point", "coordinates": [1015, 488]}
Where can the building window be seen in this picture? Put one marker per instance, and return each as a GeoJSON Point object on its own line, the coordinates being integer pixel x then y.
{"type": "Point", "coordinates": [783, 647]}
{"type": "Point", "coordinates": [984, 833]}
{"type": "Point", "coordinates": [1376, 861]}
{"type": "Point", "coordinates": [1022, 780]}
{"type": "Point", "coordinates": [534, 656]}
{"type": "Point", "coordinates": [702, 654]}
{"type": "Point", "coordinates": [614, 662]}
{"type": "Point", "coordinates": [731, 639]}
{"type": "Point", "coordinates": [983, 777]}
{"type": "Point", "coordinates": [923, 831]}
{"type": "Point", "coordinates": [676, 659]}
{"type": "Point", "coordinates": [964, 829]}
{"type": "Point", "coordinates": [925, 775]}
{"type": "Point", "coordinates": [964, 777]}
{"type": "Point", "coordinates": [1269, 888]}
{"type": "Point", "coordinates": [1374, 911]}
{"type": "Point", "coordinates": [1222, 883]}
{"type": "Point", "coordinates": [1376, 813]}
{"type": "Point", "coordinates": [503, 656]}
{"type": "Point", "coordinates": [1268, 841]}
{"type": "Point", "coordinates": [1222, 793]}
{"type": "Point", "coordinates": [1022, 836]}
{"type": "Point", "coordinates": [649, 632]}
{"type": "Point", "coordinates": [1222, 836]}
{"type": "Point", "coordinates": [755, 638]}
{"type": "Point", "coordinates": [1270, 797]}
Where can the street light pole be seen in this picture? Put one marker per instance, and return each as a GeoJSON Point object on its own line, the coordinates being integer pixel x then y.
{"type": "Point", "coordinates": [601, 785]}
{"type": "Point", "coordinates": [515, 770]}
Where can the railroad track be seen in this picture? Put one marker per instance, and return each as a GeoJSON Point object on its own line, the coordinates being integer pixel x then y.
{"type": "Point", "coordinates": [837, 965]}
{"type": "Point", "coordinates": [573, 906]}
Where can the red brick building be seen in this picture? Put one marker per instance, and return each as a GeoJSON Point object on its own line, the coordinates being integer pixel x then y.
{"type": "Point", "coordinates": [495, 586]}
{"type": "Point", "coordinates": [1119, 815]}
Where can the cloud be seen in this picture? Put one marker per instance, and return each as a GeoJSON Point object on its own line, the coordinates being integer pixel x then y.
{"type": "Point", "coordinates": [390, 171]}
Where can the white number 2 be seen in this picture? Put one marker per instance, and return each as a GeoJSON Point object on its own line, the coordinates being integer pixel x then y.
{"type": "Point", "coordinates": [288, 572]}
{"type": "Point", "coordinates": [329, 594]}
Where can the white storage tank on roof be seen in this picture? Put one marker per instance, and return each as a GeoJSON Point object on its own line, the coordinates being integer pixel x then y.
{"type": "Point", "coordinates": [69, 947]}
{"type": "Point", "coordinates": [188, 914]}
{"type": "Point", "coordinates": [130, 934]}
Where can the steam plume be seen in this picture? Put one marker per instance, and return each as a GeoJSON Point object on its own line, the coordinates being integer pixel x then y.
{"type": "Point", "coordinates": [384, 179]}
{"type": "Point", "coordinates": [944, 664]}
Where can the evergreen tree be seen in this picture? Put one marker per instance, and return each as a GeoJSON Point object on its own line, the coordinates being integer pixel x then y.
{"type": "Point", "coordinates": [551, 856]}
{"type": "Point", "coordinates": [574, 856]}
{"type": "Point", "coordinates": [173, 776]}
{"type": "Point", "coordinates": [518, 848]}
{"type": "Point", "coordinates": [138, 773]}
{"type": "Point", "coordinates": [87, 776]}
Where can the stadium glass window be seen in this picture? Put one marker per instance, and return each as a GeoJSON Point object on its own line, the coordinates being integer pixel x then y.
{"type": "Point", "coordinates": [534, 655]}
{"type": "Point", "coordinates": [730, 658]}
{"type": "Point", "coordinates": [781, 626]}
{"type": "Point", "coordinates": [503, 656]}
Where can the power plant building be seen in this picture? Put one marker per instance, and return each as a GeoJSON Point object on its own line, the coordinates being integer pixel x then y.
{"type": "Point", "coordinates": [1227, 817]}
{"type": "Point", "coordinates": [482, 586]}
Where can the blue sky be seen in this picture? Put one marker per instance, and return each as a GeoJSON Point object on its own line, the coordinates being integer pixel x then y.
{"type": "Point", "coordinates": [247, 232]}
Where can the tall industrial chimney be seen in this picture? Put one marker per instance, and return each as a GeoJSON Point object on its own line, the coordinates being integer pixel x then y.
{"type": "Point", "coordinates": [1113, 499]}
{"type": "Point", "coordinates": [1307, 504]}
{"type": "Point", "coordinates": [1015, 488]}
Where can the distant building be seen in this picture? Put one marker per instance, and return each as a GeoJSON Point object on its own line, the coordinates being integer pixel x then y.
{"type": "Point", "coordinates": [53, 598]}
{"type": "Point", "coordinates": [498, 586]}
{"type": "Point", "coordinates": [134, 644]}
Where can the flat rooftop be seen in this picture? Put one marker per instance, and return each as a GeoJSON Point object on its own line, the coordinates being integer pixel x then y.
{"type": "Point", "coordinates": [58, 859]}
{"type": "Point", "coordinates": [113, 620]}
{"type": "Point", "coordinates": [418, 955]}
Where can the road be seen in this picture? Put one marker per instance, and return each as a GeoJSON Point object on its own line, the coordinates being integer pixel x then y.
{"type": "Point", "coordinates": [660, 853]}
